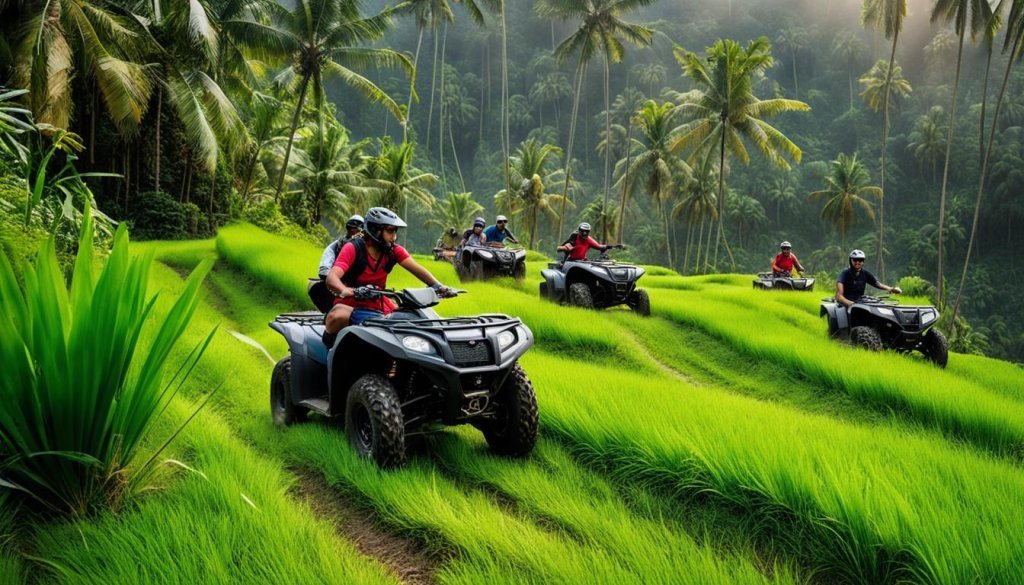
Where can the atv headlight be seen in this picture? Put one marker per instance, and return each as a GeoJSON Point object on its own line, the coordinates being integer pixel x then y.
{"type": "Point", "coordinates": [506, 338]}
{"type": "Point", "coordinates": [486, 254]}
{"type": "Point", "coordinates": [416, 343]}
{"type": "Point", "coordinates": [927, 317]}
{"type": "Point", "coordinates": [886, 312]}
{"type": "Point", "coordinates": [619, 273]}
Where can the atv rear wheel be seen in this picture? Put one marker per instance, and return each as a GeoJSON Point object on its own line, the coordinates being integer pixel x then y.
{"type": "Point", "coordinates": [935, 347]}
{"type": "Point", "coordinates": [476, 270]}
{"type": "Point", "coordinates": [866, 337]}
{"type": "Point", "coordinates": [513, 431]}
{"type": "Point", "coordinates": [579, 295]}
{"type": "Point", "coordinates": [283, 409]}
{"type": "Point", "coordinates": [373, 421]}
{"type": "Point", "coordinates": [640, 302]}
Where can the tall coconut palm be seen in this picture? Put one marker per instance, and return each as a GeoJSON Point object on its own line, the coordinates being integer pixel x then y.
{"type": "Point", "coordinates": [926, 140]}
{"type": "Point", "coordinates": [601, 31]}
{"type": "Point", "coordinates": [849, 47]}
{"type": "Point", "coordinates": [887, 16]}
{"type": "Point", "coordinates": [698, 205]}
{"type": "Point", "coordinates": [1013, 44]}
{"type": "Point", "coordinates": [550, 89]}
{"type": "Point", "coordinates": [264, 122]}
{"type": "Point", "coordinates": [653, 162]}
{"type": "Point", "coordinates": [532, 168]}
{"type": "Point", "coordinates": [874, 85]}
{"type": "Point", "coordinates": [63, 39]}
{"type": "Point", "coordinates": [846, 189]}
{"type": "Point", "coordinates": [783, 194]}
{"type": "Point", "coordinates": [795, 40]}
{"type": "Point", "coordinates": [725, 112]}
{"type": "Point", "coordinates": [328, 169]}
{"type": "Point", "coordinates": [325, 37]}
{"type": "Point", "coordinates": [650, 75]}
{"type": "Point", "coordinates": [959, 12]}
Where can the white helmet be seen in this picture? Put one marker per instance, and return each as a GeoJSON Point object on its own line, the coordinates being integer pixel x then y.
{"type": "Point", "coordinates": [785, 244]}
{"type": "Point", "coordinates": [501, 218]}
{"type": "Point", "coordinates": [584, 227]}
{"type": "Point", "coordinates": [354, 222]}
{"type": "Point", "coordinates": [857, 255]}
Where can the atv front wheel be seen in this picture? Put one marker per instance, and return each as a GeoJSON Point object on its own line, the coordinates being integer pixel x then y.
{"type": "Point", "coordinates": [640, 302]}
{"type": "Point", "coordinates": [935, 347]}
{"type": "Point", "coordinates": [283, 409]}
{"type": "Point", "coordinates": [513, 431]}
{"type": "Point", "coordinates": [579, 295]}
{"type": "Point", "coordinates": [373, 421]}
{"type": "Point", "coordinates": [476, 270]}
{"type": "Point", "coordinates": [519, 272]}
{"type": "Point", "coordinates": [866, 337]}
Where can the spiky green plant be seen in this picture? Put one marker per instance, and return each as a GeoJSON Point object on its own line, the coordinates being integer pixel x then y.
{"type": "Point", "coordinates": [84, 374]}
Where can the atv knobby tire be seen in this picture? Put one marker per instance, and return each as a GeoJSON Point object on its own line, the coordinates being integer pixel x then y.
{"type": "Point", "coordinates": [935, 347]}
{"type": "Point", "coordinates": [640, 302]}
{"type": "Point", "coordinates": [283, 410]}
{"type": "Point", "coordinates": [373, 421]}
{"type": "Point", "coordinates": [866, 337]}
{"type": "Point", "coordinates": [579, 295]}
{"type": "Point", "coordinates": [519, 272]}
{"type": "Point", "coordinates": [513, 431]}
{"type": "Point", "coordinates": [476, 270]}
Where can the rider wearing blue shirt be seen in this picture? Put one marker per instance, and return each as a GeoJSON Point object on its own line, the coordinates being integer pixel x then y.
{"type": "Point", "coordinates": [852, 281]}
{"type": "Point", "coordinates": [498, 232]}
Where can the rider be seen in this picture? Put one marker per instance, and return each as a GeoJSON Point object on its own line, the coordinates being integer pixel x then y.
{"type": "Point", "coordinates": [353, 227]}
{"type": "Point", "coordinates": [853, 280]}
{"type": "Point", "coordinates": [499, 232]}
{"type": "Point", "coordinates": [475, 235]}
{"type": "Point", "coordinates": [785, 261]}
{"type": "Point", "coordinates": [368, 261]}
{"type": "Point", "coordinates": [577, 244]}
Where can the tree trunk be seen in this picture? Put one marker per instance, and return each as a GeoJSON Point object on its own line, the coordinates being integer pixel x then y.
{"type": "Point", "coordinates": [504, 91]}
{"type": "Point", "coordinates": [981, 180]}
{"type": "Point", "coordinates": [455, 155]}
{"type": "Point", "coordinates": [849, 76]}
{"type": "Point", "coordinates": [580, 70]}
{"type": "Point", "coordinates": [668, 237]}
{"type": "Point", "coordinates": [440, 114]}
{"type": "Point", "coordinates": [433, 80]}
{"type": "Point", "coordinates": [159, 109]}
{"type": "Point", "coordinates": [984, 99]}
{"type": "Point", "coordinates": [722, 238]}
{"type": "Point", "coordinates": [412, 88]}
{"type": "Point", "coordinates": [249, 172]}
{"type": "Point", "coordinates": [796, 86]}
{"type": "Point", "coordinates": [291, 136]}
{"type": "Point", "coordinates": [945, 168]}
{"type": "Point", "coordinates": [533, 229]}
{"type": "Point", "coordinates": [625, 181]}
{"type": "Point", "coordinates": [700, 245]}
{"type": "Point", "coordinates": [885, 140]}
{"type": "Point", "coordinates": [608, 148]}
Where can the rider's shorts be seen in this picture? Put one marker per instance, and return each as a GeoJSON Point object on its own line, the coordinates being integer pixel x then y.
{"type": "Point", "coordinates": [361, 314]}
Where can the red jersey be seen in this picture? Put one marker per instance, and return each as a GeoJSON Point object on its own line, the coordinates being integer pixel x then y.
{"type": "Point", "coordinates": [786, 263]}
{"type": "Point", "coordinates": [580, 247]}
{"type": "Point", "coordinates": [370, 276]}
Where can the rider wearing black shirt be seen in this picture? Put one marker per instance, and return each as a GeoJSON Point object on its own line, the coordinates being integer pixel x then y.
{"type": "Point", "coordinates": [852, 281]}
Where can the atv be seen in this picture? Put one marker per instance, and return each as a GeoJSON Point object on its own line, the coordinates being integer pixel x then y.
{"type": "Point", "coordinates": [407, 374]}
{"type": "Point", "coordinates": [879, 322]}
{"type": "Point", "coordinates": [595, 284]}
{"type": "Point", "coordinates": [484, 262]}
{"type": "Point", "coordinates": [443, 253]}
{"type": "Point", "coordinates": [768, 281]}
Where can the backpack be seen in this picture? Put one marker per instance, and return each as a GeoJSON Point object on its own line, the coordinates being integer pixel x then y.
{"type": "Point", "coordinates": [362, 261]}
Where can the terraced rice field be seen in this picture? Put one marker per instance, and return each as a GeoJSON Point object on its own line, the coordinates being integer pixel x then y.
{"type": "Point", "coordinates": [723, 440]}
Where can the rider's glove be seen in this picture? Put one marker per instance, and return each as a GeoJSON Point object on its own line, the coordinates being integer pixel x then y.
{"type": "Point", "coordinates": [897, 290]}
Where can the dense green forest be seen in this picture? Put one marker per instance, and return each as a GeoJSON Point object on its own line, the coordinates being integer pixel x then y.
{"type": "Point", "coordinates": [182, 116]}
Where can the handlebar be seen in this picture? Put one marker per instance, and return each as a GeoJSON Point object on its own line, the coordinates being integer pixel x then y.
{"type": "Point", "coordinates": [369, 293]}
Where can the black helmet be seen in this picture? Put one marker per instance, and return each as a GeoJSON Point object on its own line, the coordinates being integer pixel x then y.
{"type": "Point", "coordinates": [378, 218]}
{"type": "Point", "coordinates": [354, 222]}
{"type": "Point", "coordinates": [479, 222]}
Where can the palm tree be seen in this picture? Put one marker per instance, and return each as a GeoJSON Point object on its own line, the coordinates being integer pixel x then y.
{"type": "Point", "coordinates": [698, 205]}
{"type": "Point", "coordinates": [783, 194]}
{"type": "Point", "coordinates": [794, 39]}
{"type": "Point", "coordinates": [979, 12]}
{"type": "Point", "coordinates": [393, 179]}
{"type": "Point", "coordinates": [649, 75]}
{"type": "Point", "coordinates": [748, 214]}
{"type": "Point", "coordinates": [888, 16]}
{"type": "Point", "coordinates": [455, 210]}
{"type": "Point", "coordinates": [849, 47]}
{"type": "Point", "coordinates": [264, 124]}
{"type": "Point", "coordinates": [1014, 41]}
{"type": "Point", "coordinates": [63, 39]}
{"type": "Point", "coordinates": [328, 169]}
{"type": "Point", "coordinates": [926, 139]}
{"type": "Point", "coordinates": [532, 168]}
{"type": "Point", "coordinates": [323, 37]}
{"type": "Point", "coordinates": [874, 85]}
{"type": "Point", "coordinates": [725, 112]}
{"type": "Point", "coordinates": [654, 164]}
{"type": "Point", "coordinates": [601, 29]}
{"type": "Point", "coordinates": [550, 89]}
{"type": "Point", "coordinates": [846, 189]}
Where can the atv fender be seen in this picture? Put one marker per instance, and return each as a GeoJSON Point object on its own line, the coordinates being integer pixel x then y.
{"type": "Point", "coordinates": [308, 373]}
{"type": "Point", "coordinates": [838, 319]}
{"type": "Point", "coordinates": [555, 281]}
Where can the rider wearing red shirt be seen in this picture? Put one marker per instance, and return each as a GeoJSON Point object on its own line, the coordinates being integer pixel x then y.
{"type": "Point", "coordinates": [785, 261]}
{"type": "Point", "coordinates": [373, 257]}
{"type": "Point", "coordinates": [579, 243]}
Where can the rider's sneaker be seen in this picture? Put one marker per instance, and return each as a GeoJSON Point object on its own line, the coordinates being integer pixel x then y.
{"type": "Point", "coordinates": [328, 339]}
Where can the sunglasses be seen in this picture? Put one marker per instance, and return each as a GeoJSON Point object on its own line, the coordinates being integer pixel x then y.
{"type": "Point", "coordinates": [857, 260]}
{"type": "Point", "coordinates": [391, 229]}
{"type": "Point", "coordinates": [502, 222]}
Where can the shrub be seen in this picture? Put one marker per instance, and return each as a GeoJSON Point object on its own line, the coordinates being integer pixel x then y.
{"type": "Point", "coordinates": [81, 383]}
{"type": "Point", "coordinates": [916, 286]}
{"type": "Point", "coordinates": [155, 215]}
